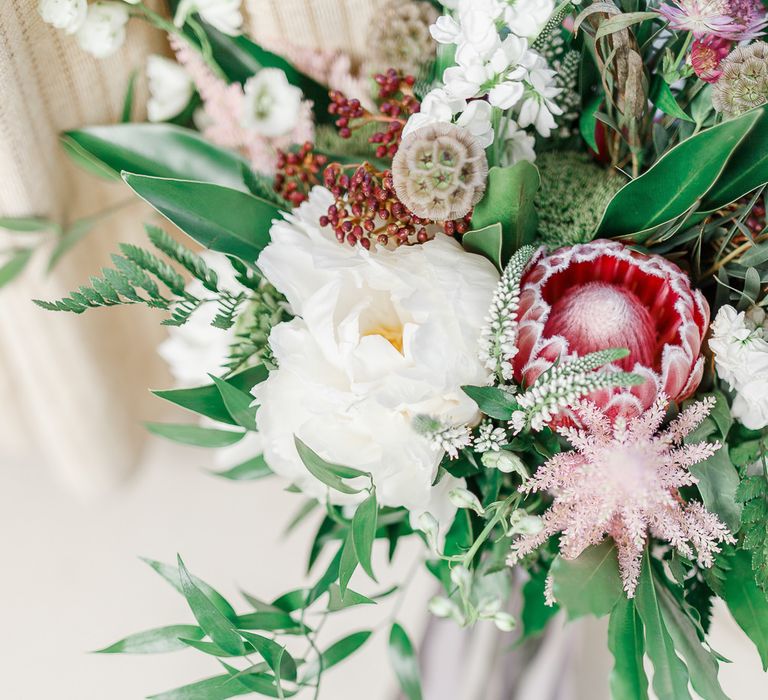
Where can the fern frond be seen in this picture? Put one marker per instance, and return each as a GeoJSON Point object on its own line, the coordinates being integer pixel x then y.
{"type": "Point", "coordinates": [160, 269]}
{"type": "Point", "coordinates": [228, 308]}
{"type": "Point", "coordinates": [753, 494]}
{"type": "Point", "coordinates": [191, 262]}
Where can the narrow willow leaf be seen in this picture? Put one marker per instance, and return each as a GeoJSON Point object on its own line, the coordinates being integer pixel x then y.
{"type": "Point", "coordinates": [337, 652]}
{"type": "Point", "coordinates": [195, 435]}
{"type": "Point", "coordinates": [250, 470]}
{"type": "Point", "coordinates": [670, 676]}
{"type": "Point", "coordinates": [216, 688]}
{"type": "Point", "coordinates": [257, 682]}
{"type": "Point", "coordinates": [155, 641]}
{"type": "Point", "coordinates": [404, 662]}
{"type": "Point", "coordinates": [267, 621]}
{"type": "Point", "coordinates": [71, 237]}
{"type": "Point", "coordinates": [27, 224]}
{"type": "Point", "coordinates": [348, 562]}
{"type": "Point", "coordinates": [364, 532]}
{"type": "Point", "coordinates": [130, 91]}
{"type": "Point", "coordinates": [214, 649]}
{"type": "Point", "coordinates": [171, 575]}
{"type": "Point", "coordinates": [219, 628]}
{"type": "Point", "coordinates": [349, 598]}
{"type": "Point", "coordinates": [590, 584]}
{"type": "Point", "coordinates": [493, 401]}
{"type": "Point", "coordinates": [15, 265]}
{"type": "Point", "coordinates": [625, 642]}
{"type": "Point", "coordinates": [330, 474]}
{"type": "Point", "coordinates": [276, 656]}
{"type": "Point", "coordinates": [238, 403]}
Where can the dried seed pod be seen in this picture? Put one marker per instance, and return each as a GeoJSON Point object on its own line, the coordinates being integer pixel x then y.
{"type": "Point", "coordinates": [744, 80]}
{"type": "Point", "coordinates": [440, 172]}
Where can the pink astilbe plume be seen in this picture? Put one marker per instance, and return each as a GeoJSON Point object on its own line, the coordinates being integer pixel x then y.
{"type": "Point", "coordinates": [223, 109]}
{"type": "Point", "coordinates": [621, 480]}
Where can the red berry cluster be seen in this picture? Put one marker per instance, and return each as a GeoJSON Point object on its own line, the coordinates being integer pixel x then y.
{"type": "Point", "coordinates": [367, 209]}
{"type": "Point", "coordinates": [756, 220]}
{"type": "Point", "coordinates": [396, 103]}
{"type": "Point", "coordinates": [298, 172]}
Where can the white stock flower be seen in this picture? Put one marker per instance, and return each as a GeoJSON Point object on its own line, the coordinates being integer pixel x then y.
{"type": "Point", "coordinates": [527, 17]}
{"type": "Point", "coordinates": [380, 338]}
{"type": "Point", "coordinates": [740, 348]}
{"type": "Point", "coordinates": [223, 15]}
{"type": "Point", "coordinates": [538, 106]}
{"type": "Point", "coordinates": [517, 145]}
{"type": "Point", "coordinates": [194, 350]}
{"type": "Point", "coordinates": [272, 105]}
{"type": "Point", "coordinates": [103, 31]}
{"type": "Point", "coordinates": [67, 15]}
{"type": "Point", "coordinates": [170, 88]}
{"type": "Point", "coordinates": [476, 119]}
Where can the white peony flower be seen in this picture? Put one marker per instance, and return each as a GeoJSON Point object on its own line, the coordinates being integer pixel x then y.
{"type": "Point", "coordinates": [223, 15]}
{"type": "Point", "coordinates": [194, 350]}
{"type": "Point", "coordinates": [527, 17]}
{"type": "Point", "coordinates": [740, 348]}
{"type": "Point", "coordinates": [170, 88]}
{"type": "Point", "coordinates": [379, 338]}
{"type": "Point", "coordinates": [67, 15]}
{"type": "Point", "coordinates": [517, 145]}
{"type": "Point", "coordinates": [103, 31]}
{"type": "Point", "coordinates": [272, 105]}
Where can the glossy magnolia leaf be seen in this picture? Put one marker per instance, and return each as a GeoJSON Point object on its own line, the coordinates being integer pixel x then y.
{"type": "Point", "coordinates": [195, 435]}
{"type": "Point", "coordinates": [364, 532]}
{"type": "Point", "coordinates": [670, 676]}
{"type": "Point", "coordinates": [747, 169]}
{"type": "Point", "coordinates": [492, 401]}
{"type": "Point", "coordinates": [218, 627]}
{"type": "Point", "coordinates": [155, 641]}
{"type": "Point", "coordinates": [509, 200]}
{"type": "Point", "coordinates": [671, 186]}
{"type": "Point", "coordinates": [207, 401]}
{"type": "Point", "coordinates": [702, 664]}
{"type": "Point", "coordinates": [747, 603]}
{"type": "Point", "coordinates": [717, 484]}
{"type": "Point", "coordinates": [15, 265]}
{"type": "Point", "coordinates": [159, 150]}
{"type": "Point", "coordinates": [404, 662]}
{"type": "Point", "coordinates": [219, 218]}
{"type": "Point", "coordinates": [276, 656]}
{"type": "Point", "coordinates": [330, 474]}
{"type": "Point", "coordinates": [626, 643]}
{"type": "Point", "coordinates": [661, 95]}
{"type": "Point", "coordinates": [348, 562]}
{"type": "Point", "coordinates": [171, 574]}
{"type": "Point", "coordinates": [590, 584]}
{"type": "Point", "coordinates": [237, 402]}
{"type": "Point", "coordinates": [250, 470]}
{"type": "Point", "coordinates": [216, 688]}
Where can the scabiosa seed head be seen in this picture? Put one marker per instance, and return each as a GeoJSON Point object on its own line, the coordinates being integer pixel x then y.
{"type": "Point", "coordinates": [440, 172]}
{"type": "Point", "coordinates": [743, 83]}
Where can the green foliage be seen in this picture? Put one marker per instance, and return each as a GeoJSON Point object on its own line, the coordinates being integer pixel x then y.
{"type": "Point", "coordinates": [250, 470]}
{"type": "Point", "coordinates": [156, 641]}
{"type": "Point", "coordinates": [509, 201]}
{"type": "Point", "coordinates": [573, 195]}
{"type": "Point", "coordinates": [195, 434]}
{"type": "Point", "coordinates": [403, 659]}
{"type": "Point", "coordinates": [753, 494]}
{"type": "Point", "coordinates": [493, 401]}
{"type": "Point", "coordinates": [627, 645]}
{"type": "Point", "coordinates": [364, 531]}
{"type": "Point", "coordinates": [331, 475]}
{"type": "Point", "coordinates": [14, 265]}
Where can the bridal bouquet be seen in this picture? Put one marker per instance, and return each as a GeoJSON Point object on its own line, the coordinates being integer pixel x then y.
{"type": "Point", "coordinates": [508, 300]}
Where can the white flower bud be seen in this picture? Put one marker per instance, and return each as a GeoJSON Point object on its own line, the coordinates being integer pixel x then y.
{"type": "Point", "coordinates": [462, 578]}
{"type": "Point", "coordinates": [504, 461]}
{"type": "Point", "coordinates": [428, 524]}
{"type": "Point", "coordinates": [272, 106]}
{"type": "Point", "coordinates": [440, 606]}
{"type": "Point", "coordinates": [463, 498]}
{"type": "Point", "coordinates": [523, 524]}
{"type": "Point", "coordinates": [224, 15]}
{"type": "Point", "coordinates": [504, 621]}
{"type": "Point", "coordinates": [103, 31]}
{"type": "Point", "coordinates": [488, 607]}
{"type": "Point", "coordinates": [67, 15]}
{"type": "Point", "coordinates": [170, 88]}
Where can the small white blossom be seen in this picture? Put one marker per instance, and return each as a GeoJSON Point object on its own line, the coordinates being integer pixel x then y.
{"type": "Point", "coordinates": [528, 17]}
{"type": "Point", "coordinates": [490, 438]}
{"type": "Point", "coordinates": [272, 105]}
{"type": "Point", "coordinates": [223, 15]}
{"type": "Point", "coordinates": [452, 439]}
{"type": "Point", "coordinates": [506, 462]}
{"type": "Point", "coordinates": [103, 31]}
{"type": "Point", "coordinates": [517, 145]}
{"type": "Point", "coordinates": [67, 15]}
{"type": "Point", "coordinates": [476, 119]}
{"type": "Point", "coordinates": [464, 498]}
{"type": "Point", "coordinates": [538, 106]}
{"type": "Point", "coordinates": [504, 621]}
{"type": "Point", "coordinates": [170, 88]}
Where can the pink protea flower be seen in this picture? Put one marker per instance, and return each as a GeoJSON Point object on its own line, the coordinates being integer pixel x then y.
{"type": "Point", "coordinates": [621, 481]}
{"type": "Point", "coordinates": [738, 20]}
{"type": "Point", "coordinates": [706, 55]}
{"type": "Point", "coordinates": [603, 294]}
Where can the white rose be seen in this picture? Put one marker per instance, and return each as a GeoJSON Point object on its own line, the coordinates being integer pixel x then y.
{"type": "Point", "coordinates": [67, 15]}
{"type": "Point", "coordinates": [750, 405]}
{"type": "Point", "coordinates": [379, 339]}
{"type": "Point", "coordinates": [741, 353]}
{"type": "Point", "coordinates": [170, 88]}
{"type": "Point", "coordinates": [223, 15]}
{"type": "Point", "coordinates": [197, 348]}
{"type": "Point", "coordinates": [103, 31]}
{"type": "Point", "coordinates": [272, 105]}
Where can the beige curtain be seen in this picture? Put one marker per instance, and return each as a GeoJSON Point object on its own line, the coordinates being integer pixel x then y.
{"type": "Point", "coordinates": [74, 389]}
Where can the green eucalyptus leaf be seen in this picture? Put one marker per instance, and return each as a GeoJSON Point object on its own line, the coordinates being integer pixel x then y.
{"type": "Point", "coordinates": [155, 641]}
{"type": "Point", "coordinates": [250, 470]}
{"type": "Point", "coordinates": [589, 584]}
{"type": "Point", "coordinates": [219, 218]}
{"type": "Point", "coordinates": [330, 474]}
{"type": "Point", "coordinates": [670, 676]}
{"type": "Point", "coordinates": [159, 150]}
{"type": "Point", "coordinates": [195, 435]}
{"type": "Point", "coordinates": [207, 401]}
{"type": "Point", "coordinates": [404, 662]}
{"type": "Point", "coordinates": [219, 628]}
{"type": "Point", "coordinates": [492, 401]}
{"type": "Point", "coordinates": [626, 643]}
{"type": "Point", "coordinates": [364, 532]}
{"type": "Point", "coordinates": [237, 402]}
